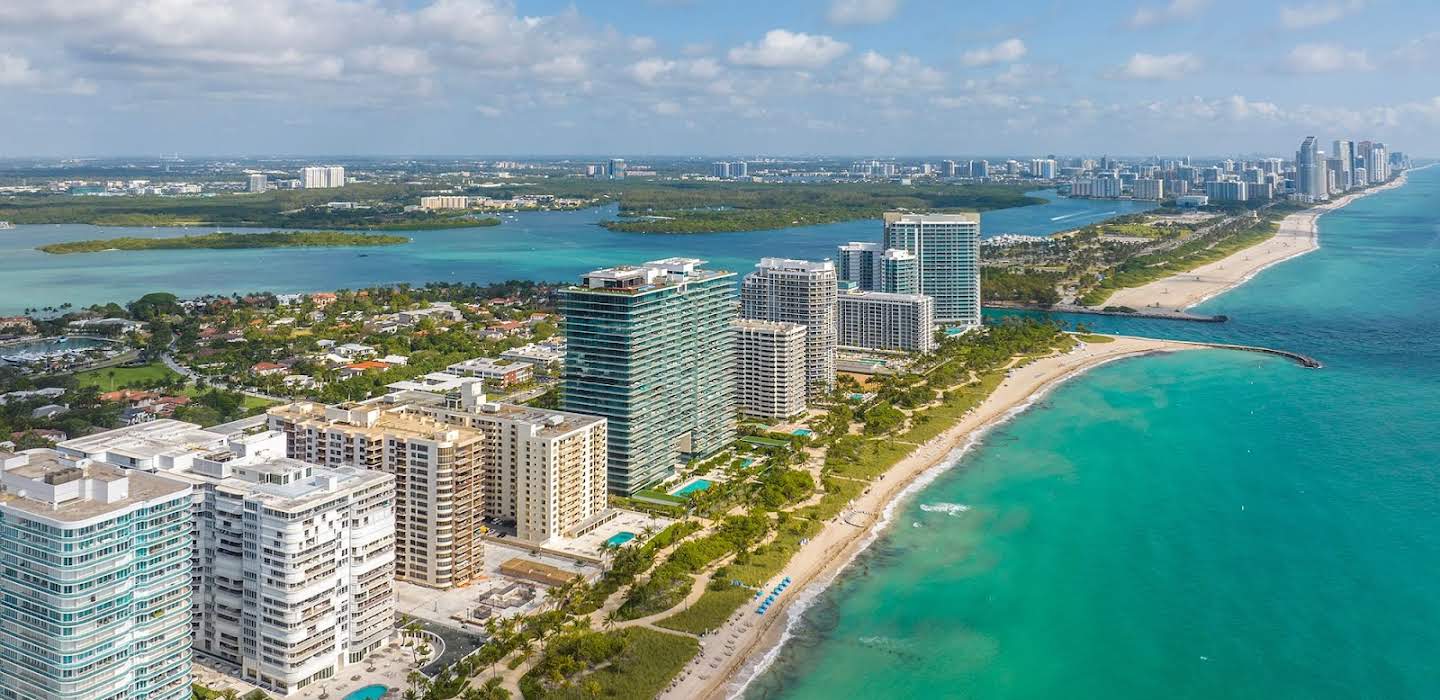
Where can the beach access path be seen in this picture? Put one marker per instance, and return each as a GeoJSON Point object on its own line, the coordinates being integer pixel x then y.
{"type": "Point", "coordinates": [1298, 234]}
{"type": "Point", "coordinates": [747, 638]}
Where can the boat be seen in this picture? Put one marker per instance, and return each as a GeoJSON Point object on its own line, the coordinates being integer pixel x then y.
{"type": "Point", "coordinates": [5, 225]}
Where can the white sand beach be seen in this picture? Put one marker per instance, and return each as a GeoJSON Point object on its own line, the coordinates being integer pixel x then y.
{"type": "Point", "coordinates": [1298, 235]}
{"type": "Point", "coordinates": [746, 640]}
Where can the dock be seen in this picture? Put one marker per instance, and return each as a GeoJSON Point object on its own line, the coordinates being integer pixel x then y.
{"type": "Point", "coordinates": [1303, 360]}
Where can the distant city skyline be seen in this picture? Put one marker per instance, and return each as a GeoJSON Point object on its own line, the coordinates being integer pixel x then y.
{"type": "Point", "coordinates": [549, 77]}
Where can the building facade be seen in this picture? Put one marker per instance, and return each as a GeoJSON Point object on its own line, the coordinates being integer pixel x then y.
{"type": "Point", "coordinates": [800, 292]}
{"type": "Point", "coordinates": [651, 349]}
{"type": "Point", "coordinates": [770, 368]}
{"type": "Point", "coordinates": [293, 566]}
{"type": "Point", "coordinates": [884, 321]}
{"type": "Point", "coordinates": [95, 602]}
{"type": "Point", "coordinates": [322, 176]}
{"type": "Point", "coordinates": [947, 249]}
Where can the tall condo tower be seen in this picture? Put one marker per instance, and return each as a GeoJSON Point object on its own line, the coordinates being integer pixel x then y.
{"type": "Point", "coordinates": [947, 250]}
{"type": "Point", "coordinates": [651, 348]}
{"type": "Point", "coordinates": [803, 292]}
{"type": "Point", "coordinates": [96, 581]}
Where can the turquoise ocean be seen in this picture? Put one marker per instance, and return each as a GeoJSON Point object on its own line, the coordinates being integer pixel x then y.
{"type": "Point", "coordinates": [1200, 525]}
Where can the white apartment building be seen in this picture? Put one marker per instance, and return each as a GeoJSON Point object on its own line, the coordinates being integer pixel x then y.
{"type": "Point", "coordinates": [322, 176]}
{"type": "Point", "coordinates": [460, 461]}
{"type": "Point", "coordinates": [96, 581]}
{"type": "Point", "coordinates": [293, 564]}
{"type": "Point", "coordinates": [769, 368]}
{"type": "Point", "coordinates": [445, 202]}
{"type": "Point", "coordinates": [801, 292]}
{"type": "Point", "coordinates": [885, 321]}
{"type": "Point", "coordinates": [947, 247]}
{"type": "Point", "coordinates": [1149, 189]}
{"type": "Point", "coordinates": [257, 183]}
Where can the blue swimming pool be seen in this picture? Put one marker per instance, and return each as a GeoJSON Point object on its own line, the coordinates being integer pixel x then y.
{"type": "Point", "coordinates": [692, 487]}
{"type": "Point", "coordinates": [620, 538]}
{"type": "Point", "coordinates": [802, 432]}
{"type": "Point", "coordinates": [369, 692]}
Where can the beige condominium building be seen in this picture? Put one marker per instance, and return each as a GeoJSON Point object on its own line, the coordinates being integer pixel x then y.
{"type": "Point", "coordinates": [293, 565]}
{"type": "Point", "coordinates": [884, 321]}
{"type": "Point", "coordinates": [769, 368]}
{"type": "Point", "coordinates": [803, 292]}
{"type": "Point", "coordinates": [460, 463]}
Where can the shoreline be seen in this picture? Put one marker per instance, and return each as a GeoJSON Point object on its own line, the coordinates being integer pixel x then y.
{"type": "Point", "coordinates": [1298, 234]}
{"type": "Point", "coordinates": [758, 640]}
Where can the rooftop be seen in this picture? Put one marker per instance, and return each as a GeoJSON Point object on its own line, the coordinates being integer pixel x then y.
{"type": "Point", "coordinates": [47, 484]}
{"type": "Point", "coordinates": [147, 441]}
{"type": "Point", "coordinates": [891, 217]}
{"type": "Point", "coordinates": [793, 264]}
{"type": "Point", "coordinates": [651, 276]}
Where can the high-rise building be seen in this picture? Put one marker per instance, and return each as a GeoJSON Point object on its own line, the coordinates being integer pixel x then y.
{"type": "Point", "coordinates": [293, 563]}
{"type": "Point", "coordinates": [899, 272]}
{"type": "Point", "coordinates": [770, 368]}
{"type": "Point", "coordinates": [720, 169]}
{"type": "Point", "coordinates": [803, 292]}
{"type": "Point", "coordinates": [257, 183]}
{"type": "Point", "coordinates": [883, 321]}
{"type": "Point", "coordinates": [947, 248]}
{"type": "Point", "coordinates": [459, 460]}
{"type": "Point", "coordinates": [651, 348]}
{"type": "Point", "coordinates": [616, 168]}
{"type": "Point", "coordinates": [96, 581]}
{"type": "Point", "coordinates": [323, 176]}
{"type": "Point", "coordinates": [1344, 151]}
{"type": "Point", "coordinates": [1310, 170]}
{"type": "Point", "coordinates": [1227, 191]}
{"type": "Point", "coordinates": [739, 169]}
{"type": "Point", "coordinates": [1149, 189]}
{"type": "Point", "coordinates": [859, 262]}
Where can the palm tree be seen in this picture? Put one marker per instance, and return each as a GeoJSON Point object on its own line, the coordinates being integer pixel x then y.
{"type": "Point", "coordinates": [416, 680]}
{"type": "Point", "coordinates": [230, 694]}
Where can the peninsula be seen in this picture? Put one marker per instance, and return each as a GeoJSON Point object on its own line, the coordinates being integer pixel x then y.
{"type": "Point", "coordinates": [227, 240]}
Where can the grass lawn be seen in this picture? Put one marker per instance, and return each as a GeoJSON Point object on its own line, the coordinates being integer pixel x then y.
{"type": "Point", "coordinates": [661, 496]}
{"type": "Point", "coordinates": [650, 660]}
{"type": "Point", "coordinates": [112, 378]}
{"type": "Point", "coordinates": [709, 611]}
{"type": "Point", "coordinates": [759, 566]}
{"type": "Point", "coordinates": [838, 492]}
{"type": "Point", "coordinates": [1094, 338]}
{"type": "Point", "coordinates": [764, 442]}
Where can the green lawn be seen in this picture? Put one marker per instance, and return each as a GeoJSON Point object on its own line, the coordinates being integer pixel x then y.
{"type": "Point", "coordinates": [1094, 338]}
{"type": "Point", "coordinates": [838, 492]}
{"type": "Point", "coordinates": [649, 661]}
{"type": "Point", "coordinates": [757, 567]}
{"type": "Point", "coordinates": [112, 378]}
{"type": "Point", "coordinates": [709, 611]}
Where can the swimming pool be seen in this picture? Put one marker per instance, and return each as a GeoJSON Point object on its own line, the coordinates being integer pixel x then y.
{"type": "Point", "coordinates": [745, 463]}
{"type": "Point", "coordinates": [620, 538]}
{"type": "Point", "coordinates": [369, 692]}
{"type": "Point", "coordinates": [692, 487]}
{"type": "Point", "coordinates": [802, 432]}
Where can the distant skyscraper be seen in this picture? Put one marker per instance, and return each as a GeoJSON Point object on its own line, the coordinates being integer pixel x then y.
{"type": "Point", "coordinates": [1149, 189]}
{"type": "Point", "coordinates": [899, 272]}
{"type": "Point", "coordinates": [720, 169]}
{"type": "Point", "coordinates": [873, 268]}
{"type": "Point", "coordinates": [1309, 170]}
{"type": "Point", "coordinates": [883, 321]}
{"type": "Point", "coordinates": [323, 177]}
{"type": "Point", "coordinates": [616, 168]}
{"type": "Point", "coordinates": [651, 348]}
{"type": "Point", "coordinates": [96, 581]}
{"type": "Point", "coordinates": [257, 183]}
{"type": "Point", "coordinates": [947, 247]}
{"type": "Point", "coordinates": [1344, 151]}
{"type": "Point", "coordinates": [803, 292]}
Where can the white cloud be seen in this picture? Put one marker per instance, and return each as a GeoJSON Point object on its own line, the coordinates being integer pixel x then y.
{"type": "Point", "coordinates": [561, 69]}
{"type": "Point", "coordinates": [1170, 66]}
{"type": "Point", "coordinates": [488, 110]}
{"type": "Point", "coordinates": [784, 49]}
{"type": "Point", "coordinates": [1007, 51]}
{"type": "Point", "coordinates": [16, 70]}
{"type": "Point", "coordinates": [1326, 58]}
{"type": "Point", "coordinates": [862, 11]}
{"type": "Point", "coordinates": [878, 73]}
{"type": "Point", "coordinates": [1317, 13]}
{"type": "Point", "coordinates": [666, 108]}
{"type": "Point", "coordinates": [650, 70]}
{"type": "Point", "coordinates": [1174, 11]}
{"type": "Point", "coordinates": [400, 61]}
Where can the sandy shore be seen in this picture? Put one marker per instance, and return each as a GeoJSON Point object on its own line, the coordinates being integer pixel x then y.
{"type": "Point", "coordinates": [1298, 235]}
{"type": "Point", "coordinates": [748, 641]}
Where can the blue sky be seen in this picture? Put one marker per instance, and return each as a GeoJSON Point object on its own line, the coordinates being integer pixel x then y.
{"type": "Point", "coordinates": [636, 77]}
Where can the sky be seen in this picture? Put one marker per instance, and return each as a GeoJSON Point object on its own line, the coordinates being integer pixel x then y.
{"type": "Point", "coordinates": [714, 77]}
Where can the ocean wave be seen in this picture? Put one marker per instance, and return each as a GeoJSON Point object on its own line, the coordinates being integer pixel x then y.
{"type": "Point", "coordinates": [954, 509]}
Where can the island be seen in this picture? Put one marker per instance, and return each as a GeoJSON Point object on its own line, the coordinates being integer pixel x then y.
{"type": "Point", "coordinates": [719, 207]}
{"type": "Point", "coordinates": [227, 240]}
